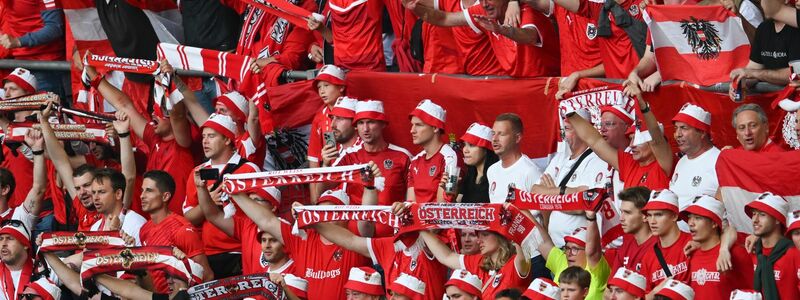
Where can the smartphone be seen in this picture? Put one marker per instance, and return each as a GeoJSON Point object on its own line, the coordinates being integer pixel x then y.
{"type": "Point", "coordinates": [329, 138]}
{"type": "Point", "coordinates": [209, 174]}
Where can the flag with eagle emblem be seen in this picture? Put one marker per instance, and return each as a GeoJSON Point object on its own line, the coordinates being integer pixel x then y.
{"type": "Point", "coordinates": [697, 44]}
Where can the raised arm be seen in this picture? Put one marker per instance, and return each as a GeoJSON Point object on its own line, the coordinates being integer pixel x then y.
{"type": "Point", "coordinates": [443, 254]}
{"type": "Point", "coordinates": [592, 137]}
{"type": "Point", "coordinates": [122, 126]}
{"type": "Point", "coordinates": [435, 17]}
{"type": "Point", "coordinates": [123, 288]}
{"type": "Point", "coordinates": [210, 210]}
{"type": "Point", "coordinates": [196, 111]}
{"type": "Point", "coordinates": [119, 100]}
{"type": "Point", "coordinates": [69, 277]}
{"type": "Point", "coordinates": [35, 141]}
{"type": "Point", "coordinates": [661, 148]}
{"type": "Point", "coordinates": [55, 150]}
{"type": "Point", "coordinates": [253, 124]}
{"type": "Point", "coordinates": [369, 197]}
{"type": "Point", "coordinates": [593, 251]}
{"type": "Point", "coordinates": [570, 5]}
{"type": "Point", "coordinates": [547, 242]}
{"type": "Point", "coordinates": [261, 216]}
{"type": "Point", "coordinates": [343, 237]}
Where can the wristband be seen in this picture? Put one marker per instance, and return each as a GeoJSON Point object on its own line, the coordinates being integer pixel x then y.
{"type": "Point", "coordinates": [591, 219]}
{"type": "Point", "coordinates": [39, 152]}
{"type": "Point", "coordinates": [124, 134]}
{"type": "Point", "coordinates": [369, 187]}
{"type": "Point", "coordinates": [96, 81]}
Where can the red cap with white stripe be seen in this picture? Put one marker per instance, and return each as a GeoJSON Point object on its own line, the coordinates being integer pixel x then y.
{"type": "Point", "coordinates": [334, 197]}
{"type": "Point", "coordinates": [45, 288]}
{"type": "Point", "coordinates": [618, 111]}
{"type": "Point", "coordinates": [465, 281]}
{"type": "Point", "coordinates": [578, 237]}
{"type": "Point", "coordinates": [745, 295]}
{"type": "Point", "coordinates": [236, 104]}
{"type": "Point", "coordinates": [794, 222]}
{"type": "Point", "coordinates": [370, 109]}
{"type": "Point", "coordinates": [222, 124]}
{"type": "Point", "coordinates": [695, 116]}
{"type": "Point", "coordinates": [430, 113]}
{"type": "Point", "coordinates": [775, 206]}
{"type": "Point", "coordinates": [662, 200]}
{"type": "Point", "coordinates": [676, 290]}
{"type": "Point", "coordinates": [479, 135]}
{"type": "Point", "coordinates": [330, 73]}
{"type": "Point", "coordinates": [630, 281]}
{"type": "Point", "coordinates": [23, 78]}
{"type": "Point", "coordinates": [408, 286]}
{"type": "Point", "coordinates": [542, 289]}
{"type": "Point", "coordinates": [345, 107]}
{"type": "Point", "coordinates": [705, 206]}
{"type": "Point", "coordinates": [365, 280]}
{"type": "Point", "coordinates": [270, 194]}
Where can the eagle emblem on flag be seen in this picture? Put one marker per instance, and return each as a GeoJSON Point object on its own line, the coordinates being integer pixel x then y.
{"type": "Point", "coordinates": [703, 37]}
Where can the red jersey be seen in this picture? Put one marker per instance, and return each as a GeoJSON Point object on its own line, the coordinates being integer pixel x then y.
{"type": "Point", "coordinates": [425, 174]}
{"type": "Point", "coordinates": [24, 16]}
{"type": "Point", "coordinates": [214, 240]}
{"type": "Point", "coordinates": [85, 218]}
{"type": "Point", "coordinates": [395, 258]}
{"type": "Point", "coordinates": [519, 60]}
{"type": "Point", "coordinates": [474, 47]}
{"type": "Point", "coordinates": [249, 150]}
{"type": "Point", "coordinates": [173, 159]}
{"type": "Point", "coordinates": [22, 172]}
{"type": "Point", "coordinates": [578, 38]}
{"type": "Point", "coordinates": [356, 27]}
{"type": "Point", "coordinates": [321, 124]}
{"type": "Point", "coordinates": [441, 53]}
{"type": "Point", "coordinates": [787, 271]}
{"type": "Point", "coordinates": [284, 41]}
{"type": "Point", "coordinates": [630, 254]}
{"type": "Point", "coordinates": [393, 161]}
{"type": "Point", "coordinates": [507, 277]}
{"type": "Point", "coordinates": [708, 283]}
{"type": "Point", "coordinates": [246, 232]}
{"type": "Point", "coordinates": [651, 176]}
{"type": "Point", "coordinates": [675, 258]}
{"type": "Point", "coordinates": [176, 231]}
{"type": "Point", "coordinates": [617, 52]}
{"type": "Point", "coordinates": [326, 267]}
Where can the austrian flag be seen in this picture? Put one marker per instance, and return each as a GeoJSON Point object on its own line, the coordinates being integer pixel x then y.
{"type": "Point", "coordinates": [698, 44]}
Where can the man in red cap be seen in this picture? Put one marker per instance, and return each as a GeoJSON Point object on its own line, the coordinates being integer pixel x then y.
{"type": "Point", "coordinates": [43, 289]}
{"type": "Point", "coordinates": [776, 260]}
{"type": "Point", "coordinates": [330, 86]}
{"type": "Point", "coordinates": [393, 161]}
{"type": "Point", "coordinates": [627, 285]}
{"type": "Point", "coordinates": [19, 83]}
{"type": "Point", "coordinates": [695, 174]}
{"type": "Point", "coordinates": [427, 167]}
{"type": "Point", "coordinates": [662, 216]}
{"type": "Point", "coordinates": [463, 285]}
{"type": "Point", "coordinates": [219, 136]}
{"type": "Point", "coordinates": [407, 287]}
{"type": "Point", "coordinates": [705, 219]}
{"type": "Point", "coordinates": [364, 283]}
{"type": "Point", "coordinates": [344, 133]}
{"type": "Point", "coordinates": [16, 264]}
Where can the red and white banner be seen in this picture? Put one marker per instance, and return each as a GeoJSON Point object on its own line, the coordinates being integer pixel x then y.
{"type": "Point", "coordinates": [230, 65]}
{"type": "Point", "coordinates": [140, 258]}
{"type": "Point", "coordinates": [70, 240]}
{"type": "Point", "coordinates": [357, 174]}
{"type": "Point", "coordinates": [586, 200]}
{"type": "Point", "coordinates": [65, 132]}
{"type": "Point", "coordinates": [105, 63]}
{"type": "Point", "coordinates": [743, 175]}
{"type": "Point", "coordinates": [253, 286]}
{"type": "Point", "coordinates": [698, 44]}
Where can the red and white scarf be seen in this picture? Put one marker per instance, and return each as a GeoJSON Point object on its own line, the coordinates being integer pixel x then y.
{"type": "Point", "coordinates": [65, 132]}
{"type": "Point", "coordinates": [586, 200]}
{"type": "Point", "coordinates": [27, 102]}
{"type": "Point", "coordinates": [357, 174]}
{"type": "Point", "coordinates": [9, 290]}
{"type": "Point", "coordinates": [225, 64]}
{"type": "Point", "coordinates": [595, 97]}
{"type": "Point", "coordinates": [139, 258]}
{"type": "Point", "coordinates": [238, 287]}
{"type": "Point", "coordinates": [90, 240]}
{"type": "Point", "coordinates": [286, 10]}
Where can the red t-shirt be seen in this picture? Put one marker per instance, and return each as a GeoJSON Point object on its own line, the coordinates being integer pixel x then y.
{"type": "Point", "coordinates": [176, 231]}
{"type": "Point", "coordinates": [507, 277]}
{"type": "Point", "coordinates": [519, 60]}
{"type": "Point", "coordinates": [651, 176]}
{"type": "Point", "coordinates": [441, 53]}
{"type": "Point", "coordinates": [393, 163]}
{"type": "Point", "coordinates": [246, 232]}
{"type": "Point", "coordinates": [424, 174]}
{"type": "Point", "coordinates": [578, 38]}
{"type": "Point", "coordinates": [787, 272]}
{"type": "Point", "coordinates": [214, 240]}
{"type": "Point", "coordinates": [356, 26]}
{"type": "Point", "coordinates": [321, 124]}
{"type": "Point", "coordinates": [675, 258]}
{"type": "Point", "coordinates": [392, 257]}
{"type": "Point", "coordinates": [171, 158]}
{"type": "Point", "coordinates": [619, 57]}
{"type": "Point", "coordinates": [474, 47]}
{"type": "Point", "coordinates": [22, 172]}
{"type": "Point", "coordinates": [630, 254]}
{"type": "Point", "coordinates": [708, 283]}
{"type": "Point", "coordinates": [85, 217]}
{"type": "Point", "coordinates": [255, 153]}
{"type": "Point", "coordinates": [24, 16]}
{"type": "Point", "coordinates": [326, 267]}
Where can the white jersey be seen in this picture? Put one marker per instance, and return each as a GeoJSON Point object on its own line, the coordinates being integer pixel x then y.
{"type": "Point", "coordinates": [695, 177]}
{"type": "Point", "coordinates": [131, 223]}
{"type": "Point", "coordinates": [593, 172]}
{"type": "Point", "coordinates": [523, 174]}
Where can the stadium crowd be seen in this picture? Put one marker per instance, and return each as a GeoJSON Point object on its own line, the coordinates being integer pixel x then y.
{"type": "Point", "coordinates": [151, 199]}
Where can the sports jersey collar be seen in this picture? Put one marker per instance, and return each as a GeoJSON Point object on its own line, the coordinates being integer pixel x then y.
{"type": "Point", "coordinates": [235, 158]}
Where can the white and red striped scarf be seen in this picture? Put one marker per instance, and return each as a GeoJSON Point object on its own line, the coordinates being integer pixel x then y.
{"type": "Point", "coordinates": [595, 97]}
{"type": "Point", "coordinates": [90, 240]}
{"type": "Point", "coordinates": [225, 64]}
{"type": "Point", "coordinates": [238, 287]}
{"type": "Point", "coordinates": [65, 132]}
{"type": "Point", "coordinates": [27, 102]}
{"type": "Point", "coordinates": [140, 258]}
{"type": "Point", "coordinates": [357, 174]}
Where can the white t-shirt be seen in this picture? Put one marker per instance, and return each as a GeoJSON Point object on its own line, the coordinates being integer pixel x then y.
{"type": "Point", "coordinates": [593, 172]}
{"type": "Point", "coordinates": [694, 177]}
{"type": "Point", "coordinates": [523, 174]}
{"type": "Point", "coordinates": [132, 222]}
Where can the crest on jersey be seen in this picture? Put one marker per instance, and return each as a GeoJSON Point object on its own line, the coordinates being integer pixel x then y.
{"type": "Point", "coordinates": [696, 181]}
{"type": "Point", "coordinates": [633, 10]}
{"type": "Point", "coordinates": [413, 265]}
{"type": "Point", "coordinates": [703, 37]}
{"type": "Point", "coordinates": [644, 178]}
{"type": "Point", "coordinates": [337, 255]}
{"type": "Point", "coordinates": [591, 31]}
{"type": "Point", "coordinates": [574, 176]}
{"type": "Point", "coordinates": [264, 262]}
{"type": "Point", "coordinates": [599, 177]}
{"type": "Point", "coordinates": [699, 276]}
{"type": "Point", "coordinates": [496, 280]}
{"type": "Point", "coordinates": [432, 171]}
{"type": "Point", "coordinates": [387, 164]}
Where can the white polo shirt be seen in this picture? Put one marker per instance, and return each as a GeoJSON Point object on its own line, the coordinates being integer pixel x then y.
{"type": "Point", "coordinates": [523, 174]}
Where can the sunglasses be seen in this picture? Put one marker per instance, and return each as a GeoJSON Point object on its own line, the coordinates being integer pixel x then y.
{"type": "Point", "coordinates": [14, 223]}
{"type": "Point", "coordinates": [30, 296]}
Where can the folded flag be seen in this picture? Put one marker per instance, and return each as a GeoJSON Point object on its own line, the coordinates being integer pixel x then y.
{"type": "Point", "coordinates": [225, 64]}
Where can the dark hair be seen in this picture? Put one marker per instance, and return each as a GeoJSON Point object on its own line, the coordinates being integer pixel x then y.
{"type": "Point", "coordinates": [163, 180]}
{"type": "Point", "coordinates": [84, 169]}
{"type": "Point", "coordinates": [514, 294]}
{"type": "Point", "coordinates": [516, 122]}
{"type": "Point", "coordinates": [575, 274]}
{"type": "Point", "coordinates": [661, 297]}
{"type": "Point", "coordinates": [468, 185]}
{"type": "Point", "coordinates": [115, 177]}
{"type": "Point", "coordinates": [7, 179]}
{"type": "Point", "coordinates": [639, 195]}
